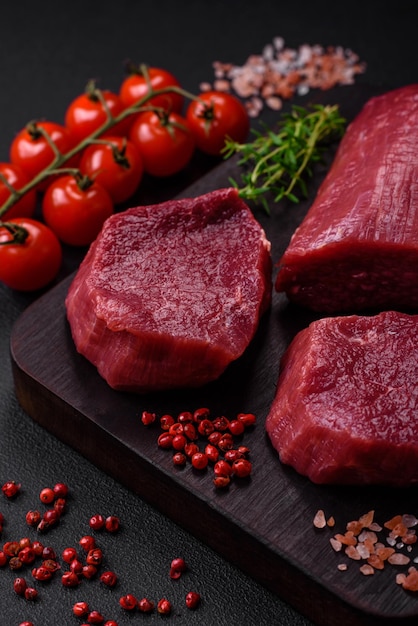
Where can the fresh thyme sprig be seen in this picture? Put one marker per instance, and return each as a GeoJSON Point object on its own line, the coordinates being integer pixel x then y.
{"type": "Point", "coordinates": [279, 161]}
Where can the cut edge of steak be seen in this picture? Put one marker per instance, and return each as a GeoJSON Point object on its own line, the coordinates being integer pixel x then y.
{"type": "Point", "coordinates": [169, 295]}
{"type": "Point", "coordinates": [357, 247]}
{"type": "Point", "coordinates": [346, 404]}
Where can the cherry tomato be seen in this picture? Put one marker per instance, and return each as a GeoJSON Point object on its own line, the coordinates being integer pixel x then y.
{"type": "Point", "coordinates": [165, 142]}
{"type": "Point", "coordinates": [135, 87]}
{"type": "Point", "coordinates": [16, 177]}
{"type": "Point", "coordinates": [117, 165]}
{"type": "Point", "coordinates": [75, 208]}
{"type": "Point", "coordinates": [86, 113]}
{"type": "Point", "coordinates": [214, 116]}
{"type": "Point", "coordinates": [31, 151]}
{"type": "Point", "coordinates": [33, 264]}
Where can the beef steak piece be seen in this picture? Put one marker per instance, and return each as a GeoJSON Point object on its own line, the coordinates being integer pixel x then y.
{"type": "Point", "coordinates": [168, 295]}
{"type": "Point", "coordinates": [346, 406]}
{"type": "Point", "coordinates": [357, 247]}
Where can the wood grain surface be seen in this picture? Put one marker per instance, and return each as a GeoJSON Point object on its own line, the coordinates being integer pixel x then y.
{"type": "Point", "coordinates": [265, 524]}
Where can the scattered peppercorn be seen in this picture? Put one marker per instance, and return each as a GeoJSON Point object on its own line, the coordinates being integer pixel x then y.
{"type": "Point", "coordinates": [182, 437]}
{"type": "Point", "coordinates": [177, 567]}
{"type": "Point", "coordinates": [87, 542]}
{"type": "Point", "coordinates": [69, 554]}
{"type": "Point", "coordinates": [164, 607]}
{"type": "Point", "coordinates": [20, 586]}
{"type": "Point", "coordinates": [70, 579]}
{"type": "Point", "coordinates": [109, 578]}
{"type": "Point", "coordinates": [128, 602]}
{"type": "Point", "coordinates": [192, 600]}
{"type": "Point", "coordinates": [47, 495]}
{"type": "Point", "coordinates": [61, 490]}
{"type": "Point", "coordinates": [80, 609]}
{"type": "Point", "coordinates": [11, 489]}
{"type": "Point", "coordinates": [145, 605]}
{"type": "Point", "coordinates": [112, 523]}
{"type": "Point", "coordinates": [166, 421]}
{"type": "Point", "coordinates": [31, 593]}
{"type": "Point", "coordinates": [97, 522]}
{"type": "Point", "coordinates": [41, 573]}
{"type": "Point", "coordinates": [200, 460]}
{"type": "Point", "coordinates": [241, 468]}
{"type": "Point", "coordinates": [94, 556]}
{"type": "Point", "coordinates": [89, 571]}
{"type": "Point", "coordinates": [95, 617]}
{"type": "Point", "coordinates": [18, 554]}
{"type": "Point", "coordinates": [147, 418]}
{"type": "Point", "coordinates": [179, 459]}
{"type": "Point", "coordinates": [33, 518]}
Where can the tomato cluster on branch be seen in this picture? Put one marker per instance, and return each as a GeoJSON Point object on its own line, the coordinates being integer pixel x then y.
{"type": "Point", "coordinates": [96, 160]}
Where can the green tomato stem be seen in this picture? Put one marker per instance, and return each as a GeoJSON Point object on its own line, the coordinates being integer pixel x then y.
{"type": "Point", "coordinates": [60, 159]}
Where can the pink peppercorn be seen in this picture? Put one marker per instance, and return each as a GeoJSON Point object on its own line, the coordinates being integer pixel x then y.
{"type": "Point", "coordinates": [128, 602]}
{"type": "Point", "coordinates": [247, 419]}
{"type": "Point", "coordinates": [109, 578]}
{"type": "Point", "coordinates": [164, 606]}
{"type": "Point", "coordinates": [31, 593]}
{"type": "Point", "coordinates": [70, 579]}
{"type": "Point", "coordinates": [94, 556]}
{"type": "Point", "coordinates": [112, 523]}
{"type": "Point", "coordinates": [147, 418]}
{"type": "Point", "coordinates": [222, 468]}
{"type": "Point", "coordinates": [95, 617]}
{"type": "Point", "coordinates": [236, 427]}
{"type": "Point", "coordinates": [80, 609]}
{"type": "Point", "coordinates": [33, 518]}
{"type": "Point", "coordinates": [20, 586]}
{"type": "Point", "coordinates": [87, 542]}
{"type": "Point", "coordinates": [69, 554]}
{"type": "Point", "coordinates": [177, 567]}
{"type": "Point", "coordinates": [10, 489]}
{"type": "Point", "coordinates": [179, 459]}
{"type": "Point", "coordinates": [199, 460]}
{"type": "Point", "coordinates": [185, 417]}
{"type": "Point", "coordinates": [165, 440]}
{"type": "Point", "coordinates": [166, 421]}
{"type": "Point", "coordinates": [97, 522]}
{"type": "Point", "coordinates": [145, 605]}
{"type": "Point", "coordinates": [201, 414]}
{"type": "Point", "coordinates": [192, 600]}
{"type": "Point", "coordinates": [89, 571]}
{"type": "Point", "coordinates": [212, 452]}
{"type": "Point", "coordinates": [242, 468]}
{"type": "Point", "coordinates": [60, 490]}
{"type": "Point", "coordinates": [47, 495]}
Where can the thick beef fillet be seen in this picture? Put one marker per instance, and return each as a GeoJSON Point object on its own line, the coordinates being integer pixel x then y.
{"type": "Point", "coordinates": [168, 295]}
{"type": "Point", "coordinates": [357, 248]}
{"type": "Point", "coordinates": [346, 406]}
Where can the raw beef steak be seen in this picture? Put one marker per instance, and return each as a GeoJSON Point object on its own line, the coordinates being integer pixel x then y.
{"type": "Point", "coordinates": [168, 295]}
{"type": "Point", "coordinates": [346, 406]}
{"type": "Point", "coordinates": [357, 247]}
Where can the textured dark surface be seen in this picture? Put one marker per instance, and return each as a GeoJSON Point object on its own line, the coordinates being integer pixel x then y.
{"type": "Point", "coordinates": [46, 55]}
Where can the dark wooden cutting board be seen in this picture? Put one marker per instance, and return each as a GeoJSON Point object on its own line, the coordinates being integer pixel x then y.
{"type": "Point", "coordinates": [264, 524]}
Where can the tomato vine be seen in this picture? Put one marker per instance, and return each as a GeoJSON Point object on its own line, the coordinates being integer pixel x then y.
{"type": "Point", "coordinates": [60, 159]}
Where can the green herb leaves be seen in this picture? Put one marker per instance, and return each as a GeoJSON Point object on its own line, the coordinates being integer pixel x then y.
{"type": "Point", "coordinates": [278, 161]}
